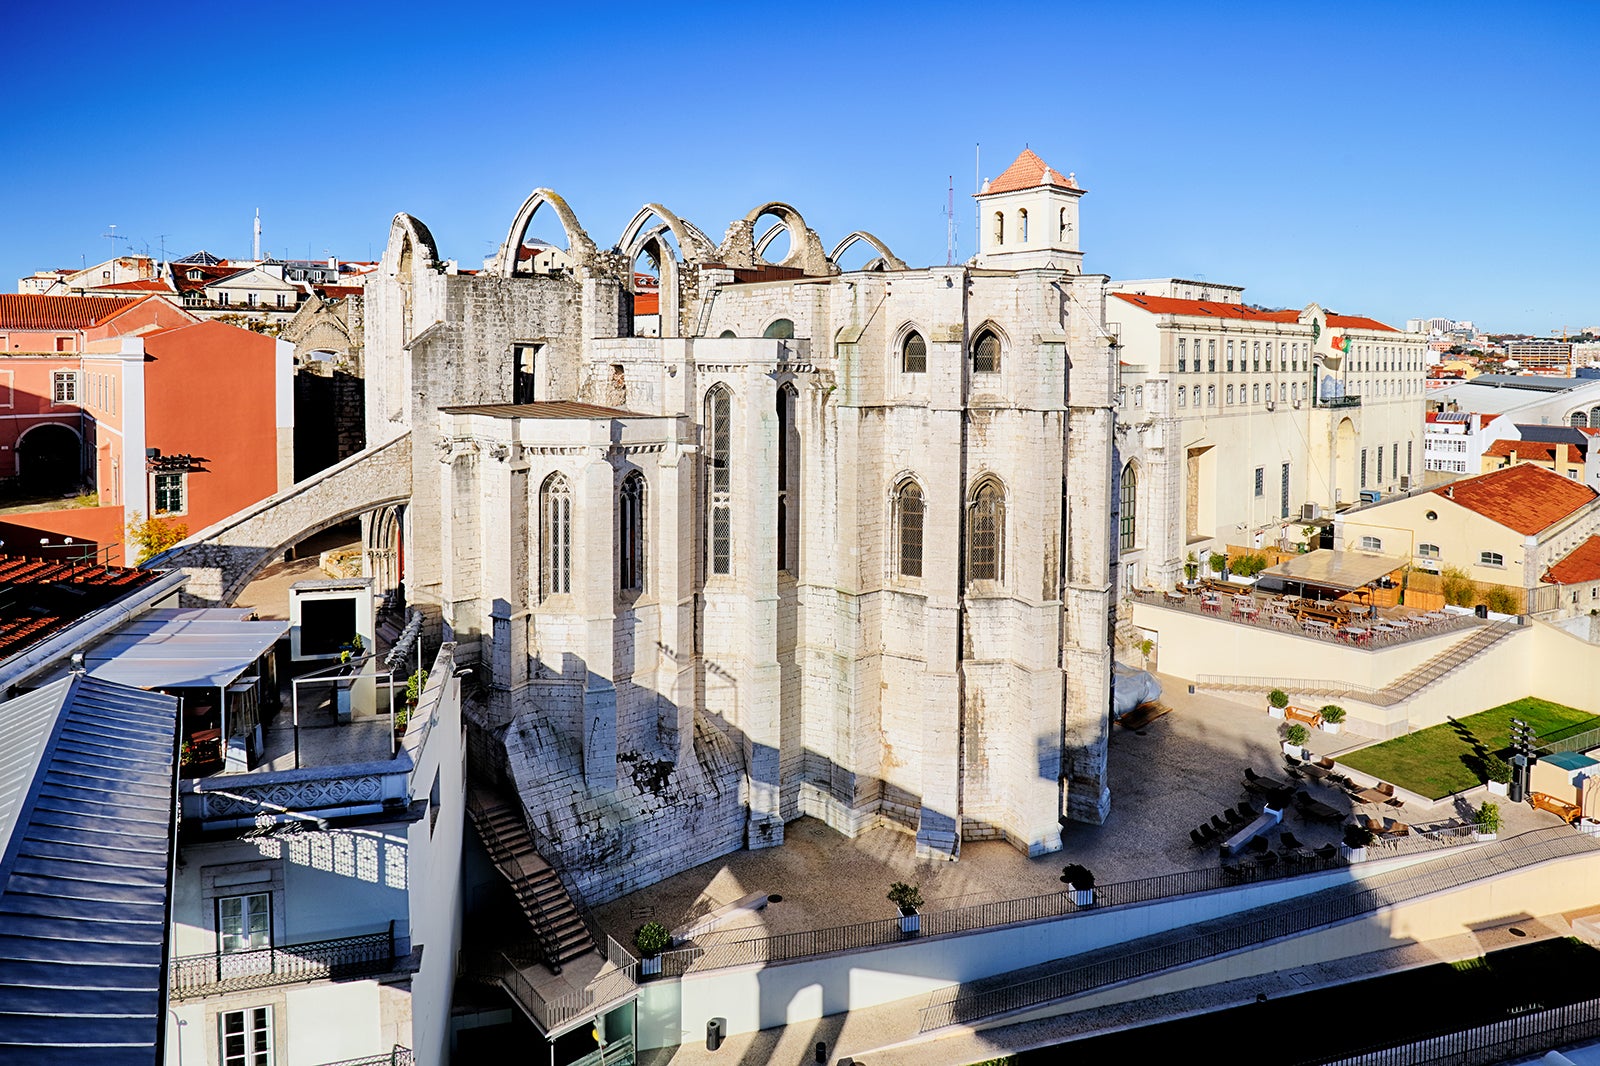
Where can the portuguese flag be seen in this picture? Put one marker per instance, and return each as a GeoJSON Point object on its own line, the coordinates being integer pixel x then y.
{"type": "Point", "coordinates": [1340, 344]}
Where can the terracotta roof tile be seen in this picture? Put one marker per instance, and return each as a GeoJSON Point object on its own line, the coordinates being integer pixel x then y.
{"type": "Point", "coordinates": [1027, 171]}
{"type": "Point", "coordinates": [1171, 305]}
{"type": "Point", "coordinates": [1580, 564]}
{"type": "Point", "coordinates": [647, 303]}
{"type": "Point", "coordinates": [1528, 449]}
{"type": "Point", "coordinates": [148, 285]}
{"type": "Point", "coordinates": [27, 311]}
{"type": "Point", "coordinates": [1524, 497]}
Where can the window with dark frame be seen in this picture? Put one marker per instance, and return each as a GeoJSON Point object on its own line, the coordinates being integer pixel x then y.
{"type": "Point", "coordinates": [909, 513]}
{"type": "Point", "coordinates": [914, 354]}
{"type": "Point", "coordinates": [631, 534]}
{"type": "Point", "coordinates": [986, 353]}
{"type": "Point", "coordinates": [719, 481]}
{"type": "Point", "coordinates": [986, 524]}
{"type": "Point", "coordinates": [555, 521]}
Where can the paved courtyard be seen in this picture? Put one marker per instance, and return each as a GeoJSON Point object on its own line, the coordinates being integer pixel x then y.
{"type": "Point", "coordinates": [1166, 779]}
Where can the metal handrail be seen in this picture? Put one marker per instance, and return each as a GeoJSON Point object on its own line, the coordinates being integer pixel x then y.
{"type": "Point", "coordinates": [541, 922]}
{"type": "Point", "coordinates": [1373, 641]}
{"type": "Point", "coordinates": [191, 976]}
{"type": "Point", "coordinates": [1507, 1040]}
{"type": "Point", "coordinates": [399, 1056]}
{"type": "Point", "coordinates": [607, 989]}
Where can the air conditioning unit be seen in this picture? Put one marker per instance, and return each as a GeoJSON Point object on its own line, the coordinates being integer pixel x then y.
{"type": "Point", "coordinates": [1310, 512]}
{"type": "Point", "coordinates": [1271, 405]}
{"type": "Point", "coordinates": [1405, 482]}
{"type": "Point", "coordinates": [1430, 565]}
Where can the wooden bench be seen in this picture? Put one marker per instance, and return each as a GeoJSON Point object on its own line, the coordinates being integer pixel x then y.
{"type": "Point", "coordinates": [1300, 714]}
{"type": "Point", "coordinates": [1543, 801]}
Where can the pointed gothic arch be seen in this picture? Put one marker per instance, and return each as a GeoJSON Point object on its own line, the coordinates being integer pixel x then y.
{"type": "Point", "coordinates": [886, 259]}
{"type": "Point", "coordinates": [579, 245]}
{"type": "Point", "coordinates": [693, 245]}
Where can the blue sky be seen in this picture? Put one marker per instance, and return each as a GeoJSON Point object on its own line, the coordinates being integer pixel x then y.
{"type": "Point", "coordinates": [1392, 160]}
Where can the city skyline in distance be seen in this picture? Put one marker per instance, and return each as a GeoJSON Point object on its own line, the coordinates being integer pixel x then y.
{"type": "Point", "coordinates": [1407, 164]}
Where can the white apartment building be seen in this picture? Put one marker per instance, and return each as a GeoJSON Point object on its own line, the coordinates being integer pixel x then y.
{"type": "Point", "coordinates": [1236, 423]}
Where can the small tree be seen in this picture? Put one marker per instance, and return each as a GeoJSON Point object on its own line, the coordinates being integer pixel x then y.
{"type": "Point", "coordinates": [1297, 734]}
{"type": "Point", "coordinates": [907, 897]}
{"type": "Point", "coordinates": [415, 684]}
{"type": "Point", "coordinates": [1278, 698]}
{"type": "Point", "coordinates": [1333, 714]}
{"type": "Point", "coordinates": [1078, 876]}
{"type": "Point", "coordinates": [1191, 568]}
{"type": "Point", "coordinates": [1457, 587]}
{"type": "Point", "coordinates": [1218, 562]}
{"type": "Point", "coordinates": [153, 536]}
{"type": "Point", "coordinates": [1497, 770]}
{"type": "Point", "coordinates": [652, 939]}
{"type": "Point", "coordinates": [1500, 599]}
{"type": "Point", "coordinates": [1487, 818]}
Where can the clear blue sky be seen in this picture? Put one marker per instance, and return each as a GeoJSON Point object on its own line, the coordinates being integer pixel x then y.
{"type": "Point", "coordinates": [1392, 160]}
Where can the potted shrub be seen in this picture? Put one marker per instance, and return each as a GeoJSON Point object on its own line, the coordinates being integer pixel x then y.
{"type": "Point", "coordinates": [1356, 840]}
{"type": "Point", "coordinates": [1277, 700]}
{"type": "Point", "coordinates": [1497, 774]}
{"type": "Point", "coordinates": [908, 898]}
{"type": "Point", "coordinates": [1486, 822]}
{"type": "Point", "coordinates": [1219, 564]}
{"type": "Point", "coordinates": [651, 940]}
{"type": "Point", "coordinates": [1145, 646]}
{"type": "Point", "coordinates": [1079, 880]}
{"type": "Point", "coordinates": [1294, 740]}
{"type": "Point", "coordinates": [414, 686]}
{"type": "Point", "coordinates": [1191, 569]}
{"type": "Point", "coordinates": [1332, 715]}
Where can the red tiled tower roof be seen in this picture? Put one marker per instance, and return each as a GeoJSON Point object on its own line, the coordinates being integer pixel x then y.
{"type": "Point", "coordinates": [1027, 171]}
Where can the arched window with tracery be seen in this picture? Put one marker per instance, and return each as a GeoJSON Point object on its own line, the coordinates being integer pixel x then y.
{"type": "Point", "coordinates": [986, 352]}
{"type": "Point", "coordinates": [630, 533]}
{"type": "Point", "coordinates": [719, 480]}
{"type": "Point", "coordinates": [909, 511]}
{"type": "Point", "coordinates": [555, 537]}
{"type": "Point", "coordinates": [788, 478]}
{"type": "Point", "coordinates": [1128, 516]}
{"type": "Point", "coordinates": [914, 354]}
{"type": "Point", "coordinates": [986, 532]}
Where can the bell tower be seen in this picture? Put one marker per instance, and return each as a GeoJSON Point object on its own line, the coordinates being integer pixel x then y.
{"type": "Point", "coordinates": [1028, 218]}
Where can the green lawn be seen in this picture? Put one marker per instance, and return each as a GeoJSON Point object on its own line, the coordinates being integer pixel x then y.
{"type": "Point", "coordinates": [1445, 758]}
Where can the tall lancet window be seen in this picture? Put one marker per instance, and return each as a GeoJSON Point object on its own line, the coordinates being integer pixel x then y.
{"type": "Point", "coordinates": [630, 533]}
{"type": "Point", "coordinates": [986, 532]}
{"type": "Point", "coordinates": [719, 481]}
{"type": "Point", "coordinates": [788, 479]}
{"type": "Point", "coordinates": [909, 510]}
{"type": "Point", "coordinates": [555, 526]}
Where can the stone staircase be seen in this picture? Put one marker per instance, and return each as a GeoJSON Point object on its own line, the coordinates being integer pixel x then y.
{"type": "Point", "coordinates": [558, 927]}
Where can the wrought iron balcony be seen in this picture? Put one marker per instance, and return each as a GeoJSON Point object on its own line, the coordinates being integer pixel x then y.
{"type": "Point", "coordinates": [1339, 401]}
{"type": "Point", "coordinates": [193, 976]}
{"type": "Point", "coordinates": [400, 1056]}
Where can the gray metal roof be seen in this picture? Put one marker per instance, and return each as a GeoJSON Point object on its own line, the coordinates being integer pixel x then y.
{"type": "Point", "coordinates": [84, 875]}
{"type": "Point", "coordinates": [182, 648]}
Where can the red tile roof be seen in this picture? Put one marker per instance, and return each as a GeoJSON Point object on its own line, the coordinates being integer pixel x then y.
{"type": "Point", "coordinates": [1169, 305]}
{"type": "Point", "coordinates": [148, 285]}
{"type": "Point", "coordinates": [1535, 450]}
{"type": "Point", "coordinates": [647, 303]}
{"type": "Point", "coordinates": [27, 311]}
{"type": "Point", "coordinates": [1580, 564]}
{"type": "Point", "coordinates": [339, 292]}
{"type": "Point", "coordinates": [1027, 171]}
{"type": "Point", "coordinates": [1524, 497]}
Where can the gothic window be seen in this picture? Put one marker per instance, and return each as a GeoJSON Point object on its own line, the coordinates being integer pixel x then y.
{"type": "Point", "coordinates": [781, 329]}
{"type": "Point", "coordinates": [719, 481]}
{"type": "Point", "coordinates": [914, 354]}
{"type": "Point", "coordinates": [909, 510]}
{"type": "Point", "coordinates": [1022, 225]}
{"type": "Point", "coordinates": [630, 534]}
{"type": "Point", "coordinates": [1129, 514]}
{"type": "Point", "coordinates": [986, 353]}
{"type": "Point", "coordinates": [986, 532]}
{"type": "Point", "coordinates": [788, 478]}
{"type": "Point", "coordinates": [555, 522]}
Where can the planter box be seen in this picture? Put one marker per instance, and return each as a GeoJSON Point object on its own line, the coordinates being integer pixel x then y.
{"type": "Point", "coordinates": [650, 965]}
{"type": "Point", "coordinates": [1587, 826]}
{"type": "Point", "coordinates": [1499, 788]}
{"type": "Point", "coordinates": [1082, 897]}
{"type": "Point", "coordinates": [911, 924]}
{"type": "Point", "coordinates": [1295, 750]}
{"type": "Point", "coordinates": [1481, 838]}
{"type": "Point", "coordinates": [1276, 712]}
{"type": "Point", "coordinates": [1353, 854]}
{"type": "Point", "coordinates": [1329, 727]}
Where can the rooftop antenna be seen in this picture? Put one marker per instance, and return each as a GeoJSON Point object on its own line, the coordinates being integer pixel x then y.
{"type": "Point", "coordinates": [162, 237]}
{"type": "Point", "coordinates": [114, 237]}
{"type": "Point", "coordinates": [256, 245]}
{"type": "Point", "coordinates": [950, 225]}
{"type": "Point", "coordinates": [977, 187]}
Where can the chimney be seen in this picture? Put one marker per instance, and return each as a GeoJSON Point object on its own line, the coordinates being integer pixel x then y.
{"type": "Point", "coordinates": [1449, 492]}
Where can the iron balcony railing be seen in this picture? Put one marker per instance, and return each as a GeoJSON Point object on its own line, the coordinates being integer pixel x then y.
{"type": "Point", "coordinates": [1337, 401]}
{"type": "Point", "coordinates": [192, 976]}
{"type": "Point", "coordinates": [399, 1056]}
{"type": "Point", "coordinates": [609, 988]}
{"type": "Point", "coordinates": [1509, 1040]}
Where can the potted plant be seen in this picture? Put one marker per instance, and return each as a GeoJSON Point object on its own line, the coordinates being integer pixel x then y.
{"type": "Point", "coordinates": [1294, 740]}
{"type": "Point", "coordinates": [1079, 880]}
{"type": "Point", "coordinates": [1497, 774]}
{"type": "Point", "coordinates": [414, 686]}
{"type": "Point", "coordinates": [1356, 840]}
{"type": "Point", "coordinates": [651, 940]}
{"type": "Point", "coordinates": [1146, 646]}
{"type": "Point", "coordinates": [1486, 822]}
{"type": "Point", "coordinates": [402, 718]}
{"type": "Point", "coordinates": [1277, 700]}
{"type": "Point", "coordinates": [1332, 715]}
{"type": "Point", "coordinates": [1219, 564]}
{"type": "Point", "coordinates": [908, 898]}
{"type": "Point", "coordinates": [1191, 569]}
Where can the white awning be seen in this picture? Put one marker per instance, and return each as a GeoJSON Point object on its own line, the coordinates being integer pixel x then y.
{"type": "Point", "coordinates": [183, 648]}
{"type": "Point", "coordinates": [1335, 569]}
